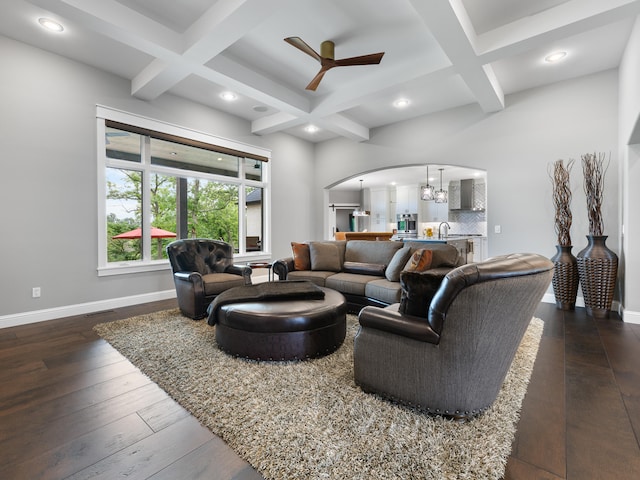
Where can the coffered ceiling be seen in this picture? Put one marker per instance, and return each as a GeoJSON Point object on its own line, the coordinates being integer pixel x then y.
{"type": "Point", "coordinates": [439, 54]}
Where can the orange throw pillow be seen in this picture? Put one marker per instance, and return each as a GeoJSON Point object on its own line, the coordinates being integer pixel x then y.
{"type": "Point", "coordinates": [301, 257]}
{"type": "Point", "coordinates": [420, 261]}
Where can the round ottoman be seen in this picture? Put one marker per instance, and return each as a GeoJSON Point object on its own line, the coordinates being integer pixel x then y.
{"type": "Point", "coordinates": [283, 329]}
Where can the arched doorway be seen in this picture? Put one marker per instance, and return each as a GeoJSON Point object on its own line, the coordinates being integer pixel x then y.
{"type": "Point", "coordinates": [390, 192]}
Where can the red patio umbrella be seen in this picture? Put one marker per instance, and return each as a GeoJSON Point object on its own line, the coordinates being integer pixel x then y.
{"type": "Point", "coordinates": [137, 233]}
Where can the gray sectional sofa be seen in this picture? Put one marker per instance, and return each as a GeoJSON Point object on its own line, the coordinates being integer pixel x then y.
{"type": "Point", "coordinates": [365, 272]}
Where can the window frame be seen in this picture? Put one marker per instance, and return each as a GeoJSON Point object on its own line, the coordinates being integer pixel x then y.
{"type": "Point", "coordinates": [168, 130]}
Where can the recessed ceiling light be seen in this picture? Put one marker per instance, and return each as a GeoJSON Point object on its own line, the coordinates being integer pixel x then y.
{"type": "Point", "coordinates": [555, 57]}
{"type": "Point", "coordinates": [228, 96]}
{"type": "Point", "coordinates": [401, 103]}
{"type": "Point", "coordinates": [311, 129]}
{"type": "Point", "coordinates": [50, 24]}
{"type": "Point", "coordinates": [260, 108]}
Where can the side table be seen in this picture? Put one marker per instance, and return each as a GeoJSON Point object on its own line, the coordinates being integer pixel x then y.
{"type": "Point", "coordinates": [266, 265]}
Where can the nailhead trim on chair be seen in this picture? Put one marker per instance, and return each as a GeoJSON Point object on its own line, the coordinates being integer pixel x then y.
{"type": "Point", "coordinates": [327, 351]}
{"type": "Point", "coordinates": [458, 415]}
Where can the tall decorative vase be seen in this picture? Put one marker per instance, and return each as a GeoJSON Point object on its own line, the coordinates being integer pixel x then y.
{"type": "Point", "coordinates": [597, 268]}
{"type": "Point", "coordinates": [565, 277]}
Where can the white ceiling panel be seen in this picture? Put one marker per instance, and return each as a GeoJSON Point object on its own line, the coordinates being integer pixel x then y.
{"type": "Point", "coordinates": [176, 15]}
{"type": "Point", "coordinates": [488, 15]}
{"type": "Point", "coordinates": [590, 52]}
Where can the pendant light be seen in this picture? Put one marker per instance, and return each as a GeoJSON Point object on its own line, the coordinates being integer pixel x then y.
{"type": "Point", "coordinates": [426, 191]}
{"type": "Point", "coordinates": [441, 195]}
{"type": "Point", "coordinates": [359, 211]}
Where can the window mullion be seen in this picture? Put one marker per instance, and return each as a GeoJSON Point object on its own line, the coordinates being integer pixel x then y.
{"type": "Point", "coordinates": [145, 150]}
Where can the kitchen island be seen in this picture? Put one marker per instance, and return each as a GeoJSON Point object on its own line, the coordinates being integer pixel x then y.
{"type": "Point", "coordinates": [464, 243]}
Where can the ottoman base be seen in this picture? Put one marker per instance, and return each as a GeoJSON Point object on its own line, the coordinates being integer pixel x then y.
{"type": "Point", "coordinates": [281, 345]}
{"type": "Point", "coordinates": [283, 329]}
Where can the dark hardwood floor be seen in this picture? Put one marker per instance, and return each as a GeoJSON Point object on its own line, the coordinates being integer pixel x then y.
{"type": "Point", "coordinates": [73, 407]}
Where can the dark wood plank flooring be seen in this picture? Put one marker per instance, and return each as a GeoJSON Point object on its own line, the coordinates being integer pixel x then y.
{"type": "Point", "coordinates": [71, 407]}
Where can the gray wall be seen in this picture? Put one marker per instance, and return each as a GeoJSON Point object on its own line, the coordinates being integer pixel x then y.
{"type": "Point", "coordinates": [48, 183]}
{"type": "Point", "coordinates": [514, 146]}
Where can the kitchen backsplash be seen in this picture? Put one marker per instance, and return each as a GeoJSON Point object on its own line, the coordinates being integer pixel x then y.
{"type": "Point", "coordinates": [472, 223]}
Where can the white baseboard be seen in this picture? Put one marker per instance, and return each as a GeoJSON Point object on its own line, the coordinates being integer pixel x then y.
{"type": "Point", "coordinates": [627, 316]}
{"type": "Point", "coordinates": [82, 308]}
{"type": "Point", "coordinates": [630, 317]}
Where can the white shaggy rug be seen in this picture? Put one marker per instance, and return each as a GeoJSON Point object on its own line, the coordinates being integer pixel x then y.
{"type": "Point", "coordinates": [308, 420]}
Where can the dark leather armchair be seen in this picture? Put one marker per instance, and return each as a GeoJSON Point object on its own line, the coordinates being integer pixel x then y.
{"type": "Point", "coordinates": [453, 360]}
{"type": "Point", "coordinates": [203, 268]}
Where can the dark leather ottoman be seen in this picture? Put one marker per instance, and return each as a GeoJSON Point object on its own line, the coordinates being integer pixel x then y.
{"type": "Point", "coordinates": [286, 329]}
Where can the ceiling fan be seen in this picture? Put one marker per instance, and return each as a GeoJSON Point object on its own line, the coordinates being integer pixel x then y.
{"type": "Point", "coordinates": [327, 58]}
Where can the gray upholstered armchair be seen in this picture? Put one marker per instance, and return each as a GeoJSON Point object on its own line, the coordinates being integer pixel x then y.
{"type": "Point", "coordinates": [453, 360]}
{"type": "Point", "coordinates": [203, 268]}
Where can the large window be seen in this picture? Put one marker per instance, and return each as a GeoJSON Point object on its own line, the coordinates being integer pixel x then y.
{"type": "Point", "coordinates": [159, 182]}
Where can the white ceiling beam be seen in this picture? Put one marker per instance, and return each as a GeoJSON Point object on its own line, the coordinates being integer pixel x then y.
{"type": "Point", "coordinates": [343, 126]}
{"type": "Point", "coordinates": [218, 28]}
{"type": "Point", "coordinates": [226, 22]}
{"type": "Point", "coordinates": [275, 123]}
{"type": "Point", "coordinates": [157, 77]}
{"type": "Point", "coordinates": [450, 25]}
{"type": "Point", "coordinates": [338, 124]}
{"type": "Point", "coordinates": [565, 20]}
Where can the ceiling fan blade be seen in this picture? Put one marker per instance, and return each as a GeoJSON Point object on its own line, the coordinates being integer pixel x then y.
{"type": "Point", "coordinates": [316, 80]}
{"type": "Point", "coordinates": [300, 45]}
{"type": "Point", "coordinates": [371, 59]}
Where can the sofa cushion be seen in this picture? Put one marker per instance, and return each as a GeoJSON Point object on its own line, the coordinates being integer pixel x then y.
{"type": "Point", "coordinates": [371, 251]}
{"type": "Point", "coordinates": [418, 288]}
{"type": "Point", "coordinates": [317, 277]}
{"type": "Point", "coordinates": [383, 290]}
{"type": "Point", "coordinates": [325, 256]}
{"type": "Point", "coordinates": [351, 283]}
{"type": "Point", "coordinates": [397, 263]}
{"type": "Point", "coordinates": [301, 256]}
{"type": "Point", "coordinates": [364, 268]}
{"type": "Point", "coordinates": [420, 261]}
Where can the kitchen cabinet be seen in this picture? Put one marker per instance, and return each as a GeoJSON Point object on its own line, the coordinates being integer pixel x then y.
{"type": "Point", "coordinates": [379, 210]}
{"type": "Point", "coordinates": [391, 211]}
{"type": "Point", "coordinates": [431, 211]}
{"type": "Point", "coordinates": [480, 249]}
{"type": "Point", "coordinates": [476, 249]}
{"type": "Point", "coordinates": [407, 199]}
{"type": "Point", "coordinates": [454, 195]}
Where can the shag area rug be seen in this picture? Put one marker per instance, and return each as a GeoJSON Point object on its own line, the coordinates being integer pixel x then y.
{"type": "Point", "coordinates": [308, 420]}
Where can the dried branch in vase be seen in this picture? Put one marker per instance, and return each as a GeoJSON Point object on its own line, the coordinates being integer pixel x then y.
{"type": "Point", "coordinates": [594, 169]}
{"type": "Point", "coordinates": [559, 173]}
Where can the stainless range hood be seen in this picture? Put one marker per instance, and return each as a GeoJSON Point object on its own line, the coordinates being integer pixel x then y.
{"type": "Point", "coordinates": [467, 201]}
